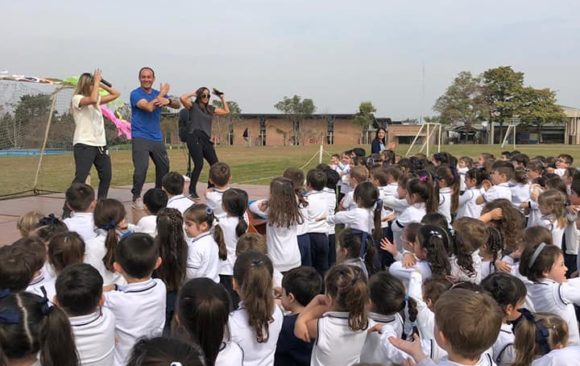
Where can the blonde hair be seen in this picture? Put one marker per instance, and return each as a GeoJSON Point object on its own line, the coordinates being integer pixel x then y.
{"type": "Point", "coordinates": [554, 203]}
{"type": "Point", "coordinates": [28, 222]}
{"type": "Point", "coordinates": [84, 84]}
{"type": "Point", "coordinates": [526, 336]}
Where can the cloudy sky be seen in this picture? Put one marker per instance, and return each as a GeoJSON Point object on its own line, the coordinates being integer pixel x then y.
{"type": "Point", "coordinates": [338, 53]}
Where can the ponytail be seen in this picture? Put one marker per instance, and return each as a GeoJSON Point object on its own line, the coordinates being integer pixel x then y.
{"type": "Point", "coordinates": [172, 248]}
{"type": "Point", "coordinates": [253, 273]}
{"type": "Point", "coordinates": [347, 287]}
{"type": "Point", "coordinates": [536, 335]}
{"type": "Point", "coordinates": [218, 236]}
{"type": "Point", "coordinates": [55, 337]}
{"type": "Point", "coordinates": [436, 241]}
{"type": "Point", "coordinates": [377, 211]}
{"type": "Point", "coordinates": [241, 227]}
{"type": "Point", "coordinates": [235, 203]}
{"type": "Point", "coordinates": [111, 242]}
{"type": "Point", "coordinates": [108, 215]}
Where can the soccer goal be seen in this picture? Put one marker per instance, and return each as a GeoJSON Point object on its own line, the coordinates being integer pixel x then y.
{"type": "Point", "coordinates": [427, 132]}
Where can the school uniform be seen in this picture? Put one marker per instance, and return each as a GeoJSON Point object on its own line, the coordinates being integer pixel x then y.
{"type": "Point", "coordinates": [330, 198]}
{"type": "Point", "coordinates": [520, 194]}
{"type": "Point", "coordinates": [228, 225]}
{"type": "Point", "coordinates": [359, 220]}
{"type": "Point", "coordinates": [95, 250]}
{"type": "Point", "coordinates": [487, 268]}
{"type": "Point", "coordinates": [462, 274]}
{"type": "Point", "coordinates": [550, 223]}
{"type": "Point", "coordinates": [292, 351]}
{"type": "Point", "coordinates": [214, 198]}
{"type": "Point", "coordinates": [413, 213]}
{"type": "Point", "coordinates": [83, 223]}
{"type": "Point", "coordinates": [148, 225]}
{"type": "Point", "coordinates": [348, 203]}
{"type": "Point", "coordinates": [388, 191]}
{"type": "Point", "coordinates": [404, 274]}
{"type": "Point", "coordinates": [41, 284]}
{"type": "Point", "coordinates": [179, 202]}
{"type": "Point", "coordinates": [462, 173]}
{"type": "Point", "coordinates": [318, 230]}
{"type": "Point", "coordinates": [376, 349]}
{"type": "Point", "coordinates": [425, 317]}
{"type": "Point", "coordinates": [282, 243]}
{"type": "Point", "coordinates": [203, 257]}
{"type": "Point", "coordinates": [94, 336]}
{"type": "Point", "coordinates": [344, 172]}
{"type": "Point", "coordinates": [230, 354]}
{"type": "Point", "coordinates": [567, 356]}
{"type": "Point", "coordinates": [444, 209]}
{"type": "Point", "coordinates": [336, 343]}
{"type": "Point", "coordinates": [503, 350]}
{"type": "Point", "coordinates": [303, 238]}
{"type": "Point", "coordinates": [358, 262]}
{"type": "Point", "coordinates": [467, 206]}
{"type": "Point", "coordinates": [139, 310]}
{"type": "Point", "coordinates": [255, 354]}
{"type": "Point", "coordinates": [498, 191]}
{"type": "Point", "coordinates": [558, 298]}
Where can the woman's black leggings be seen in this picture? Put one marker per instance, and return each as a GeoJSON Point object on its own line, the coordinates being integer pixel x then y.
{"type": "Point", "coordinates": [200, 147]}
{"type": "Point", "coordinates": [85, 157]}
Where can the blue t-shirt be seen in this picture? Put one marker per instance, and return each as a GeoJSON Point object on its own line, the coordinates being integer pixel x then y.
{"type": "Point", "coordinates": [145, 125]}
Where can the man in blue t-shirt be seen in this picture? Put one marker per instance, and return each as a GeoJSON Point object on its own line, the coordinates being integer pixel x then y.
{"type": "Point", "coordinates": [146, 104]}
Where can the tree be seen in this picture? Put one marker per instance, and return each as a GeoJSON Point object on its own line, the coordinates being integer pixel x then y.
{"type": "Point", "coordinates": [364, 119]}
{"type": "Point", "coordinates": [538, 106]}
{"type": "Point", "coordinates": [502, 87]}
{"type": "Point", "coordinates": [297, 110]}
{"type": "Point", "coordinates": [463, 101]}
{"type": "Point", "coordinates": [222, 126]}
{"type": "Point", "coordinates": [30, 116]}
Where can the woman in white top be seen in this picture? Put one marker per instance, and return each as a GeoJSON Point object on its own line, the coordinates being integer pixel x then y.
{"type": "Point", "coordinates": [89, 141]}
{"type": "Point", "coordinates": [202, 314]}
{"type": "Point", "coordinates": [283, 215]}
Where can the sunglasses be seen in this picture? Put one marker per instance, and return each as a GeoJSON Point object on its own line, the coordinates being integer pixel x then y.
{"type": "Point", "coordinates": [205, 96]}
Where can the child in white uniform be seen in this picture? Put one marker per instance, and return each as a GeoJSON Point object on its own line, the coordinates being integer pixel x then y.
{"type": "Point", "coordinates": [256, 325]}
{"type": "Point", "coordinates": [467, 206]}
{"type": "Point", "coordinates": [139, 306]}
{"type": "Point", "coordinates": [502, 172]}
{"type": "Point", "coordinates": [79, 292]}
{"type": "Point", "coordinates": [338, 321]}
{"type": "Point", "coordinates": [173, 184]}
{"type": "Point", "coordinates": [220, 177]}
{"type": "Point", "coordinates": [154, 200]}
{"type": "Point", "coordinates": [510, 294]}
{"type": "Point", "coordinates": [80, 199]}
{"type": "Point", "coordinates": [206, 243]}
{"type": "Point", "coordinates": [470, 236]}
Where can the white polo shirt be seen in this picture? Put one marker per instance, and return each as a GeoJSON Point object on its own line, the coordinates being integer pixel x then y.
{"type": "Point", "coordinates": [179, 202]}
{"type": "Point", "coordinates": [83, 223]}
{"type": "Point", "coordinates": [503, 349]}
{"type": "Point", "coordinates": [404, 274]}
{"type": "Point", "coordinates": [230, 355]}
{"type": "Point", "coordinates": [567, 356]}
{"type": "Point", "coordinates": [94, 337]}
{"type": "Point", "coordinates": [203, 257]}
{"type": "Point", "coordinates": [357, 218]}
{"type": "Point", "coordinates": [330, 198]}
{"type": "Point", "coordinates": [95, 250]}
{"type": "Point", "coordinates": [444, 209]}
{"type": "Point", "coordinates": [214, 199]}
{"type": "Point", "coordinates": [139, 309]}
{"type": "Point", "coordinates": [460, 274]}
{"type": "Point", "coordinates": [89, 123]}
{"type": "Point", "coordinates": [148, 225]}
{"type": "Point", "coordinates": [375, 350]}
{"type": "Point", "coordinates": [520, 194]}
{"type": "Point", "coordinates": [413, 213]}
{"type": "Point", "coordinates": [387, 192]}
{"type": "Point", "coordinates": [467, 206]}
{"type": "Point", "coordinates": [317, 212]}
{"type": "Point", "coordinates": [228, 225]}
{"type": "Point", "coordinates": [282, 243]}
{"type": "Point", "coordinates": [255, 354]}
{"type": "Point", "coordinates": [336, 343]}
{"type": "Point", "coordinates": [501, 190]}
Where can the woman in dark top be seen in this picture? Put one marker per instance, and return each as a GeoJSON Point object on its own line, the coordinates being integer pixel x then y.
{"type": "Point", "coordinates": [198, 140]}
{"type": "Point", "coordinates": [380, 141]}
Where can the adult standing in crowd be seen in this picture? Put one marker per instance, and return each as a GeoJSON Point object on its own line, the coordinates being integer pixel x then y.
{"type": "Point", "coordinates": [89, 140]}
{"type": "Point", "coordinates": [380, 141]}
{"type": "Point", "coordinates": [147, 140]}
{"type": "Point", "coordinates": [198, 138]}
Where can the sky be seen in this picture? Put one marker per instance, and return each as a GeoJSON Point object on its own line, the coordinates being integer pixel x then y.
{"type": "Point", "coordinates": [400, 55]}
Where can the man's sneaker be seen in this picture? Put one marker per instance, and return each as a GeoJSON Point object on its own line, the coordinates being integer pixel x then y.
{"type": "Point", "coordinates": [138, 204]}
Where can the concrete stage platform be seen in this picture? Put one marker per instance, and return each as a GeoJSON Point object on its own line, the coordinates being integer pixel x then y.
{"type": "Point", "coordinates": [10, 210]}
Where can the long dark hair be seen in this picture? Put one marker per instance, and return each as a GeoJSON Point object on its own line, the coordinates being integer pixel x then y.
{"type": "Point", "coordinates": [253, 273]}
{"type": "Point", "coordinates": [108, 214]}
{"type": "Point", "coordinates": [172, 248]}
{"type": "Point", "coordinates": [35, 328]}
{"type": "Point", "coordinates": [435, 241]}
{"type": "Point", "coordinates": [203, 308]}
{"type": "Point", "coordinates": [283, 210]}
{"type": "Point", "coordinates": [200, 213]}
{"type": "Point", "coordinates": [384, 139]}
{"type": "Point", "coordinates": [235, 203]}
{"type": "Point", "coordinates": [198, 99]}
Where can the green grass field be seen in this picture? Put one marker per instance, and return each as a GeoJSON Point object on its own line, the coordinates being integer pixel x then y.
{"type": "Point", "coordinates": [252, 165]}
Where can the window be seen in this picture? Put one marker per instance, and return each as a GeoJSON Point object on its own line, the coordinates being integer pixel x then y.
{"type": "Point", "coordinates": [262, 136]}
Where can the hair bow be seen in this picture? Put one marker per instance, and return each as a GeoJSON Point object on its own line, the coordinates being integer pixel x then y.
{"type": "Point", "coordinates": [49, 220]}
{"type": "Point", "coordinates": [111, 225]}
{"type": "Point", "coordinates": [436, 234]}
{"type": "Point", "coordinates": [424, 178]}
{"type": "Point", "coordinates": [209, 211]}
{"type": "Point", "coordinates": [542, 333]}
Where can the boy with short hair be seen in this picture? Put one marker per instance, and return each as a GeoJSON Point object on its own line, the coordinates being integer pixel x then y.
{"type": "Point", "coordinates": [173, 184]}
{"type": "Point", "coordinates": [502, 172]}
{"type": "Point", "coordinates": [220, 177]}
{"type": "Point", "coordinates": [154, 200]}
{"type": "Point", "coordinates": [139, 306]}
{"type": "Point", "coordinates": [15, 273]}
{"type": "Point", "coordinates": [299, 286]}
{"type": "Point", "coordinates": [33, 256]}
{"type": "Point", "coordinates": [79, 292]}
{"type": "Point", "coordinates": [563, 162]}
{"type": "Point", "coordinates": [467, 324]}
{"type": "Point", "coordinates": [358, 174]}
{"type": "Point", "coordinates": [80, 199]}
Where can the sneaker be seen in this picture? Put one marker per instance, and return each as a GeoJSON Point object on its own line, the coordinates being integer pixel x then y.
{"type": "Point", "coordinates": [193, 196]}
{"type": "Point", "coordinates": [138, 204]}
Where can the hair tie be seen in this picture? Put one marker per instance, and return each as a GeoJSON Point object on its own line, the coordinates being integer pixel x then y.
{"type": "Point", "coordinates": [378, 204]}
{"type": "Point", "coordinates": [436, 234]}
{"type": "Point", "coordinates": [257, 262]}
{"type": "Point", "coordinates": [209, 211]}
{"type": "Point", "coordinates": [542, 333]}
{"type": "Point", "coordinates": [175, 364]}
{"type": "Point", "coordinates": [111, 225]}
{"type": "Point", "coordinates": [424, 178]}
{"type": "Point", "coordinates": [536, 254]}
{"type": "Point", "coordinates": [49, 220]}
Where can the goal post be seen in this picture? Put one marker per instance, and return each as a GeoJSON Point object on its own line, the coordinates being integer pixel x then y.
{"type": "Point", "coordinates": [428, 130]}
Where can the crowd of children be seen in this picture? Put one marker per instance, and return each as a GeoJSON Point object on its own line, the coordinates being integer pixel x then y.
{"type": "Point", "coordinates": [379, 260]}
